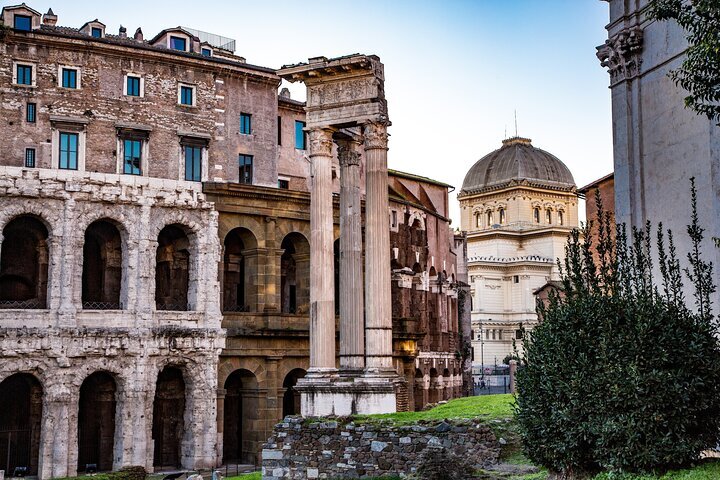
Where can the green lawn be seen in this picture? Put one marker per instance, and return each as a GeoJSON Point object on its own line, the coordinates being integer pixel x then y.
{"type": "Point", "coordinates": [247, 476]}
{"type": "Point", "coordinates": [489, 407]}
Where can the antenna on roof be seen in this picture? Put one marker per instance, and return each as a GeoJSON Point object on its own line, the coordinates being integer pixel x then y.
{"type": "Point", "coordinates": [516, 130]}
{"type": "Point", "coordinates": [505, 136]}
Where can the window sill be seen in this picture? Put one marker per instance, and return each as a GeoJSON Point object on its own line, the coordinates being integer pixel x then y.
{"type": "Point", "coordinates": [182, 105]}
{"type": "Point", "coordinates": [22, 85]}
{"type": "Point", "coordinates": [69, 89]}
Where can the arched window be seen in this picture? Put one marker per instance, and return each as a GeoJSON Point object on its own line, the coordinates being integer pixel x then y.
{"type": "Point", "coordinates": [295, 274]}
{"type": "Point", "coordinates": [168, 420]}
{"type": "Point", "coordinates": [102, 267]}
{"type": "Point", "coordinates": [489, 218]}
{"type": "Point", "coordinates": [240, 416]}
{"type": "Point", "coordinates": [502, 215]}
{"type": "Point", "coordinates": [548, 216]}
{"type": "Point", "coordinates": [536, 214]}
{"type": "Point", "coordinates": [478, 222]}
{"type": "Point", "coordinates": [96, 422]}
{"type": "Point", "coordinates": [21, 413]}
{"type": "Point", "coordinates": [561, 219]}
{"type": "Point", "coordinates": [172, 269]}
{"type": "Point", "coordinates": [239, 269]}
{"type": "Point", "coordinates": [24, 264]}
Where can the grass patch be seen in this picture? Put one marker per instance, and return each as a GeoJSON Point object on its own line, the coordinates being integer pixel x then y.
{"type": "Point", "coordinates": [488, 407]}
{"type": "Point", "coordinates": [247, 476]}
{"type": "Point", "coordinates": [707, 470]}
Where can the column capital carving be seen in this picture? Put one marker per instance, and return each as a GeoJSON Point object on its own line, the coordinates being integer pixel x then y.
{"type": "Point", "coordinates": [347, 153]}
{"type": "Point", "coordinates": [375, 135]}
{"type": "Point", "coordinates": [621, 54]}
{"type": "Point", "coordinates": [321, 142]}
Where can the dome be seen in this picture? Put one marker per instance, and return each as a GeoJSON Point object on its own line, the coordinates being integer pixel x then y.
{"type": "Point", "coordinates": [517, 162]}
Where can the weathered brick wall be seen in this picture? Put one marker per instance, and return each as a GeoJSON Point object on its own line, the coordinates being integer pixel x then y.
{"type": "Point", "coordinates": [331, 449]}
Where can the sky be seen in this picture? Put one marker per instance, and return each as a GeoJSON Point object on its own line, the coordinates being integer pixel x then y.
{"type": "Point", "coordinates": [456, 72]}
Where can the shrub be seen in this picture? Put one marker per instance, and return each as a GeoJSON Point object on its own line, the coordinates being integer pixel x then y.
{"type": "Point", "coordinates": [621, 375]}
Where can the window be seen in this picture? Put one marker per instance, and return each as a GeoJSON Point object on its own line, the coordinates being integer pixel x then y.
{"type": "Point", "coordinates": [489, 218]}
{"type": "Point", "coordinates": [24, 74]}
{"type": "Point", "coordinates": [178, 43]}
{"type": "Point", "coordinates": [536, 214]}
{"type": "Point", "coordinates": [245, 123]}
{"type": "Point", "coordinates": [516, 279]}
{"type": "Point", "coordinates": [132, 157]}
{"type": "Point", "coordinates": [187, 95]}
{"type": "Point", "coordinates": [30, 113]}
{"type": "Point", "coordinates": [561, 220]}
{"type": "Point", "coordinates": [206, 52]}
{"type": "Point", "coordinates": [518, 334]}
{"type": "Point", "coordinates": [193, 163]}
{"type": "Point", "coordinates": [69, 78]}
{"type": "Point", "coordinates": [96, 32]}
{"type": "Point", "coordinates": [245, 163]}
{"type": "Point", "coordinates": [393, 214]}
{"type": "Point", "coordinates": [284, 184]}
{"type": "Point", "coordinates": [279, 130]}
{"type": "Point", "coordinates": [22, 22]}
{"type": "Point", "coordinates": [68, 151]}
{"type": "Point", "coordinates": [300, 142]}
{"type": "Point", "coordinates": [478, 222]}
{"type": "Point", "coordinates": [548, 216]}
{"type": "Point", "coordinates": [487, 334]}
{"type": "Point", "coordinates": [502, 215]}
{"type": "Point", "coordinates": [30, 158]}
{"type": "Point", "coordinates": [493, 334]}
{"type": "Point", "coordinates": [499, 334]}
{"type": "Point", "coordinates": [132, 86]}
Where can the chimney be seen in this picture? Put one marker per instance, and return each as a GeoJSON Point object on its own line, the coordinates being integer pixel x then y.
{"type": "Point", "coordinates": [138, 35]}
{"type": "Point", "coordinates": [49, 18]}
{"type": "Point", "coordinates": [285, 93]}
{"type": "Point", "coordinates": [123, 32]}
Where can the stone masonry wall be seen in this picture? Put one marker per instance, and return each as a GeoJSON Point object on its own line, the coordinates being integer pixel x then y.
{"type": "Point", "coordinates": [330, 449]}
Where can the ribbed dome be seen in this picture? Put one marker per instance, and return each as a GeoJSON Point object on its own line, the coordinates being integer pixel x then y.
{"type": "Point", "coordinates": [515, 162]}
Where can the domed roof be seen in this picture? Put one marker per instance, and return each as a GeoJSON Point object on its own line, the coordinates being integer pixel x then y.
{"type": "Point", "coordinates": [517, 161]}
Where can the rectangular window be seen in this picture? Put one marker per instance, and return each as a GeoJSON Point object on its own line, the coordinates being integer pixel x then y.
{"type": "Point", "coordinates": [245, 163]}
{"type": "Point", "coordinates": [177, 43]}
{"type": "Point", "coordinates": [279, 130]}
{"type": "Point", "coordinates": [516, 279]}
{"type": "Point", "coordinates": [206, 52]}
{"type": "Point", "coordinates": [186, 95]}
{"type": "Point", "coordinates": [30, 158]}
{"type": "Point", "coordinates": [31, 113]}
{"type": "Point", "coordinates": [300, 142]}
{"type": "Point", "coordinates": [518, 335]}
{"type": "Point", "coordinates": [24, 75]}
{"type": "Point", "coordinates": [284, 184]}
{"type": "Point", "coordinates": [132, 157]}
{"type": "Point", "coordinates": [22, 22]}
{"type": "Point", "coordinates": [68, 151]}
{"type": "Point", "coordinates": [245, 123]}
{"type": "Point", "coordinates": [97, 32]}
{"type": "Point", "coordinates": [133, 86]}
{"type": "Point", "coordinates": [69, 78]}
{"type": "Point", "coordinates": [393, 221]}
{"type": "Point", "coordinates": [193, 163]}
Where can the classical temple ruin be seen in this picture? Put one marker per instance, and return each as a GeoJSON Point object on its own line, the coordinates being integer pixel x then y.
{"type": "Point", "coordinates": [160, 250]}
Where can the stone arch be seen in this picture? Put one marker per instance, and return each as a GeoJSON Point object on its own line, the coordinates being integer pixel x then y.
{"type": "Point", "coordinates": [31, 208]}
{"type": "Point", "coordinates": [24, 262]}
{"type": "Point", "coordinates": [420, 390]}
{"type": "Point", "coordinates": [291, 397]}
{"type": "Point", "coordinates": [96, 422]}
{"type": "Point", "coordinates": [295, 274]}
{"type": "Point", "coordinates": [168, 422]}
{"type": "Point", "coordinates": [251, 223]}
{"type": "Point", "coordinates": [21, 405]}
{"type": "Point", "coordinates": [240, 267]}
{"type": "Point", "coordinates": [172, 268]}
{"type": "Point", "coordinates": [103, 264]}
{"type": "Point", "coordinates": [241, 413]}
{"type": "Point", "coordinates": [283, 229]}
{"type": "Point", "coordinates": [434, 393]}
{"type": "Point", "coordinates": [447, 384]}
{"type": "Point", "coordinates": [416, 217]}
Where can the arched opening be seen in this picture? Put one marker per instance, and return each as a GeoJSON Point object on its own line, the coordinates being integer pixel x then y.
{"type": "Point", "coordinates": [447, 387]}
{"type": "Point", "coordinates": [548, 216]}
{"type": "Point", "coordinates": [168, 426]}
{"type": "Point", "coordinates": [434, 393]}
{"type": "Point", "coordinates": [561, 217]}
{"type": "Point", "coordinates": [238, 271]}
{"type": "Point", "coordinates": [420, 392]}
{"type": "Point", "coordinates": [102, 267]}
{"type": "Point", "coordinates": [241, 408]}
{"type": "Point", "coordinates": [336, 270]}
{"type": "Point", "coordinates": [295, 274]}
{"type": "Point", "coordinates": [478, 221]}
{"type": "Point", "coordinates": [291, 397]}
{"type": "Point", "coordinates": [536, 214]}
{"type": "Point", "coordinates": [172, 269]}
{"type": "Point", "coordinates": [24, 264]}
{"type": "Point", "coordinates": [489, 215]}
{"type": "Point", "coordinates": [501, 214]}
{"type": "Point", "coordinates": [96, 423]}
{"type": "Point", "coordinates": [20, 416]}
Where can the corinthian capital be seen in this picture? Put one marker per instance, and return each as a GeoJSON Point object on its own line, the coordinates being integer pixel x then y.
{"type": "Point", "coordinates": [320, 141]}
{"type": "Point", "coordinates": [375, 135]}
{"type": "Point", "coordinates": [347, 153]}
{"type": "Point", "coordinates": [621, 54]}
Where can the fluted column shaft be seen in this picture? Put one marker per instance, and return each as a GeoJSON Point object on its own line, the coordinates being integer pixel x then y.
{"type": "Point", "coordinates": [352, 335]}
{"type": "Point", "coordinates": [322, 276]}
{"type": "Point", "coordinates": [378, 321]}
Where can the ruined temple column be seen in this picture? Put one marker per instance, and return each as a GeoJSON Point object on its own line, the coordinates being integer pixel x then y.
{"type": "Point", "coordinates": [322, 275]}
{"type": "Point", "coordinates": [352, 338]}
{"type": "Point", "coordinates": [378, 321]}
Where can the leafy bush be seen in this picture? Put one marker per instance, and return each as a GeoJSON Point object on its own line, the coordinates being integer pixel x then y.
{"type": "Point", "coordinates": [621, 375]}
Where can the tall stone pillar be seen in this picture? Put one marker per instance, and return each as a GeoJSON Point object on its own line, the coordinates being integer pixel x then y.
{"type": "Point", "coordinates": [352, 338]}
{"type": "Point", "coordinates": [378, 324]}
{"type": "Point", "coordinates": [322, 276]}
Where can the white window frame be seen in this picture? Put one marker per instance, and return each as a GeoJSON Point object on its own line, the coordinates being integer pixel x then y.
{"type": "Point", "coordinates": [78, 76]}
{"type": "Point", "coordinates": [32, 65]}
{"type": "Point", "coordinates": [144, 157]}
{"type": "Point", "coordinates": [142, 85]}
{"type": "Point", "coordinates": [206, 47]}
{"type": "Point", "coordinates": [204, 159]}
{"type": "Point", "coordinates": [178, 35]}
{"type": "Point", "coordinates": [179, 94]}
{"type": "Point", "coordinates": [56, 149]}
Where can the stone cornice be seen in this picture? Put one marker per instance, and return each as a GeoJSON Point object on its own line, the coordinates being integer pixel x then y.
{"type": "Point", "coordinates": [515, 184]}
{"type": "Point", "coordinates": [622, 54]}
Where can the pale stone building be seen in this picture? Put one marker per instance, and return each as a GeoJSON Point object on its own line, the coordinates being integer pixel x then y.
{"type": "Point", "coordinates": [517, 206]}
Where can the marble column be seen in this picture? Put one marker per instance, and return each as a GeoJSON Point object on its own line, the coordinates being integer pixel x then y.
{"type": "Point", "coordinates": [352, 338]}
{"type": "Point", "coordinates": [322, 275]}
{"type": "Point", "coordinates": [378, 320]}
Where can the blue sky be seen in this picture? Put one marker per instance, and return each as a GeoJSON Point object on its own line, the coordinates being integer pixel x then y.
{"type": "Point", "coordinates": [456, 71]}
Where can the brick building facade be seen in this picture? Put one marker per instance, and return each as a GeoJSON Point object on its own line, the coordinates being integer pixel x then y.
{"type": "Point", "coordinates": [154, 264]}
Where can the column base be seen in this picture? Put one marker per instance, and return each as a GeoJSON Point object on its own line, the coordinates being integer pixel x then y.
{"type": "Point", "coordinates": [346, 395]}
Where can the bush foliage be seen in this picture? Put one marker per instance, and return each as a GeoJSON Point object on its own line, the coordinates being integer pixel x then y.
{"type": "Point", "coordinates": [621, 375]}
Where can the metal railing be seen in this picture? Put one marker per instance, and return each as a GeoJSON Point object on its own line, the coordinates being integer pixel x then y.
{"type": "Point", "coordinates": [32, 304]}
{"type": "Point", "coordinates": [175, 307]}
{"type": "Point", "coordinates": [102, 306]}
